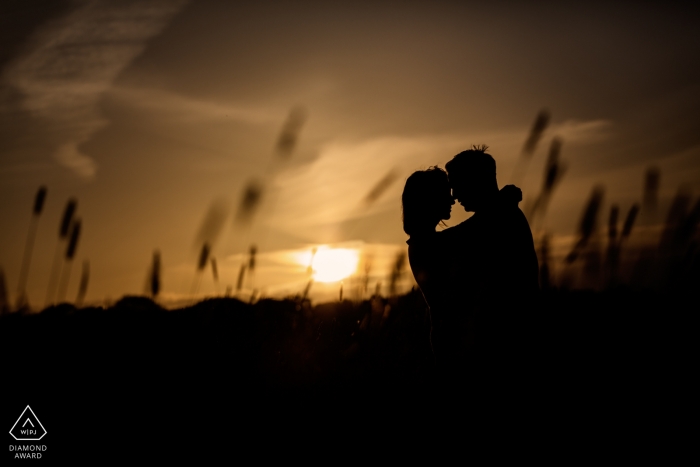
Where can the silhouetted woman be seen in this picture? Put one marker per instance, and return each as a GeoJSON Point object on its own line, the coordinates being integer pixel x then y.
{"type": "Point", "coordinates": [426, 201]}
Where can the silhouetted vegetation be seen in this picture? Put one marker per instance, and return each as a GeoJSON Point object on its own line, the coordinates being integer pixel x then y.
{"type": "Point", "coordinates": [64, 229]}
{"type": "Point", "coordinates": [29, 247]}
{"type": "Point", "coordinates": [599, 349]}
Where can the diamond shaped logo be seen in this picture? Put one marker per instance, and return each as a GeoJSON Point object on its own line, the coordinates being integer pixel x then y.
{"type": "Point", "coordinates": [27, 427]}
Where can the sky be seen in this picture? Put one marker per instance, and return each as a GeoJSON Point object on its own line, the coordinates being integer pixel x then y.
{"type": "Point", "coordinates": [153, 114]}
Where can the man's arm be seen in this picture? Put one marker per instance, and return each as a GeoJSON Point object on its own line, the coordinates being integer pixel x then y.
{"type": "Point", "coordinates": [527, 256]}
{"type": "Point", "coordinates": [521, 268]}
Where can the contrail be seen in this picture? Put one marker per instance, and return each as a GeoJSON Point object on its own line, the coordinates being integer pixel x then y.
{"type": "Point", "coordinates": [69, 65]}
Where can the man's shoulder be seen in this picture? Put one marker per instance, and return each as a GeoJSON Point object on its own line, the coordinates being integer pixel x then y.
{"type": "Point", "coordinates": [518, 217]}
{"type": "Point", "coordinates": [513, 214]}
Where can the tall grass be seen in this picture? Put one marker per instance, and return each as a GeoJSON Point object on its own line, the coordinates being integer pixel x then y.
{"type": "Point", "coordinates": [612, 259]}
{"type": "Point", "coordinates": [538, 127]}
{"type": "Point", "coordinates": [39, 199]}
{"type": "Point", "coordinates": [252, 252]}
{"type": "Point", "coordinates": [215, 273]}
{"type": "Point", "coordinates": [672, 238]}
{"type": "Point", "coordinates": [241, 278]}
{"type": "Point", "coordinates": [397, 272]}
{"type": "Point", "coordinates": [588, 224]}
{"type": "Point", "coordinates": [534, 137]}
{"type": "Point", "coordinates": [380, 187]}
{"type": "Point", "coordinates": [155, 281]}
{"type": "Point", "coordinates": [553, 172]}
{"type": "Point", "coordinates": [201, 264]}
{"type": "Point", "coordinates": [310, 267]}
{"type": "Point", "coordinates": [287, 141]}
{"type": "Point", "coordinates": [629, 221]}
{"type": "Point", "coordinates": [63, 230]}
{"type": "Point", "coordinates": [70, 254]}
{"type": "Point", "coordinates": [652, 179]}
{"type": "Point", "coordinates": [257, 187]}
{"type": "Point", "coordinates": [250, 201]}
{"type": "Point", "coordinates": [307, 289]}
{"type": "Point", "coordinates": [84, 279]}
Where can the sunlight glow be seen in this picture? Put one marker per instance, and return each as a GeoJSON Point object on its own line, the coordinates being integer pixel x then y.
{"type": "Point", "coordinates": [331, 264]}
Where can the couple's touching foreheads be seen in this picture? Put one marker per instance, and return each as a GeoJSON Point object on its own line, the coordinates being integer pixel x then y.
{"type": "Point", "coordinates": [479, 275]}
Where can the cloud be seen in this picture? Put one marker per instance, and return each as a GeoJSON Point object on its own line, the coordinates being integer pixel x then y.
{"type": "Point", "coordinates": [573, 131]}
{"type": "Point", "coordinates": [331, 188]}
{"type": "Point", "coordinates": [181, 108]}
{"type": "Point", "coordinates": [69, 65]}
{"type": "Point", "coordinates": [69, 156]}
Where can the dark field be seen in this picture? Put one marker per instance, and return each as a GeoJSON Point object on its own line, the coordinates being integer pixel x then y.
{"type": "Point", "coordinates": [134, 376]}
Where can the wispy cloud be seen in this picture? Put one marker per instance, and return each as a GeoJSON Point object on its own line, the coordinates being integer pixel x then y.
{"type": "Point", "coordinates": [69, 65]}
{"type": "Point", "coordinates": [181, 108]}
{"type": "Point", "coordinates": [331, 188]}
{"type": "Point", "coordinates": [573, 131]}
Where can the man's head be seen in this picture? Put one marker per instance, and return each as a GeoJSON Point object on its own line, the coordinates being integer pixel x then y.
{"type": "Point", "coordinates": [472, 175]}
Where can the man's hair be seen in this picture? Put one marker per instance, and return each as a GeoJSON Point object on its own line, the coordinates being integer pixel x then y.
{"type": "Point", "coordinates": [474, 161]}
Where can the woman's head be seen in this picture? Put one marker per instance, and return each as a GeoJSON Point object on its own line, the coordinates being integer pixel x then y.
{"type": "Point", "coordinates": [426, 200]}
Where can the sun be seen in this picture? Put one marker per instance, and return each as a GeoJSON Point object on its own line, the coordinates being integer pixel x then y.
{"type": "Point", "coordinates": [333, 264]}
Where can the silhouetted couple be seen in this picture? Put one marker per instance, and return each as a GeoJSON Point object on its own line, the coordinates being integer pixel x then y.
{"type": "Point", "coordinates": [478, 277]}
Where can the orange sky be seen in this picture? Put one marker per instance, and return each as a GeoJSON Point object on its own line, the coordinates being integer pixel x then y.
{"type": "Point", "coordinates": [148, 112]}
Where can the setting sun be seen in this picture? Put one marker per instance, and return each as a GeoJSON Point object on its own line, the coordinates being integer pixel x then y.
{"type": "Point", "coordinates": [332, 264]}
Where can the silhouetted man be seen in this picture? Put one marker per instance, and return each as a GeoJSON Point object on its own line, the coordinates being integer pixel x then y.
{"type": "Point", "coordinates": [495, 244]}
{"type": "Point", "coordinates": [497, 272]}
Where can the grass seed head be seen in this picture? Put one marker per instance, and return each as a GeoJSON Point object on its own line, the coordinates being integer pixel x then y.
{"type": "Point", "coordinates": [554, 169]}
{"type": "Point", "coordinates": [241, 278]}
{"type": "Point", "coordinates": [73, 242]}
{"type": "Point", "coordinates": [84, 280]}
{"type": "Point", "coordinates": [203, 257]}
{"type": "Point", "coordinates": [589, 219]}
{"type": "Point", "coordinates": [155, 274]}
{"type": "Point", "coordinates": [291, 130]}
{"type": "Point", "coordinates": [214, 269]}
{"type": "Point", "coordinates": [67, 218]}
{"type": "Point", "coordinates": [251, 258]}
{"type": "Point", "coordinates": [629, 220]}
{"type": "Point", "coordinates": [652, 179]}
{"type": "Point", "coordinates": [541, 122]}
{"type": "Point", "coordinates": [612, 222]}
{"type": "Point", "coordinates": [250, 201]}
{"type": "Point", "coordinates": [39, 200]}
{"type": "Point", "coordinates": [380, 187]}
